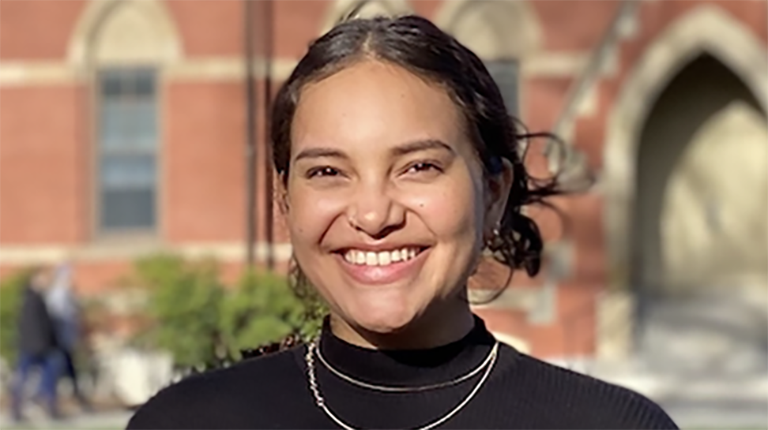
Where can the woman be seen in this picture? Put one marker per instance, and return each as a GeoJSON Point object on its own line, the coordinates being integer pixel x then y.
{"type": "Point", "coordinates": [399, 167]}
{"type": "Point", "coordinates": [37, 346]}
{"type": "Point", "coordinates": [65, 312]}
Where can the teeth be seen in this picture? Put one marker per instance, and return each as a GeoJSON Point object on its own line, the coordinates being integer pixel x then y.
{"type": "Point", "coordinates": [359, 257]}
{"type": "Point", "coordinates": [383, 258]}
{"type": "Point", "coordinates": [371, 259]}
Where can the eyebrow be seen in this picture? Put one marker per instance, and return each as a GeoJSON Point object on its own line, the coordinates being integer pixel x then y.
{"type": "Point", "coordinates": [319, 153]}
{"type": "Point", "coordinates": [406, 148]}
{"type": "Point", "coordinates": [421, 145]}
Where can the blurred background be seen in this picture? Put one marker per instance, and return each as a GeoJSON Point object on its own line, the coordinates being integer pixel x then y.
{"type": "Point", "coordinates": [134, 159]}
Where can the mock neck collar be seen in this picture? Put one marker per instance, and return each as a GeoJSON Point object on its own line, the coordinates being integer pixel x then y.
{"type": "Point", "coordinates": [408, 367]}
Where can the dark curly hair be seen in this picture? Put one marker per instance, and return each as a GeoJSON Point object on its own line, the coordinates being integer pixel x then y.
{"type": "Point", "coordinates": [417, 45]}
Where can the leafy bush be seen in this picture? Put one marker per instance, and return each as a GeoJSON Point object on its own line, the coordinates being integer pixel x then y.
{"type": "Point", "coordinates": [182, 307]}
{"type": "Point", "coordinates": [11, 291]}
{"type": "Point", "coordinates": [261, 310]}
{"type": "Point", "coordinates": [203, 324]}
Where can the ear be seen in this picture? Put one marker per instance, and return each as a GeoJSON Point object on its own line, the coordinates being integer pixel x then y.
{"type": "Point", "coordinates": [281, 194]}
{"type": "Point", "coordinates": [497, 195]}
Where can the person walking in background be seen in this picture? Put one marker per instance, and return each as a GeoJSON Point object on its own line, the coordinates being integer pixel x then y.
{"type": "Point", "coordinates": [65, 312]}
{"type": "Point", "coordinates": [37, 346]}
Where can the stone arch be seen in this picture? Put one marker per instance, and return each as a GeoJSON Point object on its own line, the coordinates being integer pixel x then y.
{"type": "Point", "coordinates": [370, 8]}
{"type": "Point", "coordinates": [100, 34]}
{"type": "Point", "coordinates": [707, 29]}
{"type": "Point", "coordinates": [735, 139]}
{"type": "Point", "coordinates": [494, 30]}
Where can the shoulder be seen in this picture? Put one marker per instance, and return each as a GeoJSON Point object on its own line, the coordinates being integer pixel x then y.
{"type": "Point", "coordinates": [587, 402]}
{"type": "Point", "coordinates": [220, 398]}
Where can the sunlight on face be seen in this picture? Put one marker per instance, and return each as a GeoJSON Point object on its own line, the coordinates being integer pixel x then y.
{"type": "Point", "coordinates": [384, 195]}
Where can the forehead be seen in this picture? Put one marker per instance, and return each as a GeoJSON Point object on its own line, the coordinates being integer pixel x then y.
{"type": "Point", "coordinates": [374, 103]}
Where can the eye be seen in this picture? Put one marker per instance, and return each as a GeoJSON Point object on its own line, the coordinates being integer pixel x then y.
{"type": "Point", "coordinates": [322, 171]}
{"type": "Point", "coordinates": [423, 166]}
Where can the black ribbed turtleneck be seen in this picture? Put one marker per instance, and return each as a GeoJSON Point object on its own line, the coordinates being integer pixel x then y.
{"type": "Point", "coordinates": [408, 367]}
{"type": "Point", "coordinates": [520, 392]}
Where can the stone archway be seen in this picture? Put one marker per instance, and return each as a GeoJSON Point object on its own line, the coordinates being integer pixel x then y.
{"type": "Point", "coordinates": [700, 223]}
{"type": "Point", "coordinates": [493, 30]}
{"type": "Point", "coordinates": [368, 9]}
{"type": "Point", "coordinates": [701, 191]}
{"type": "Point", "coordinates": [706, 29]}
{"type": "Point", "coordinates": [669, 192]}
{"type": "Point", "coordinates": [714, 213]}
{"type": "Point", "coordinates": [155, 37]}
{"type": "Point", "coordinates": [504, 34]}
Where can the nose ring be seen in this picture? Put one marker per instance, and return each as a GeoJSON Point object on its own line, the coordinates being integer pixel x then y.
{"type": "Point", "coordinates": [352, 220]}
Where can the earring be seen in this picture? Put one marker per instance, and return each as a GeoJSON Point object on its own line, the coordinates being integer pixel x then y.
{"type": "Point", "coordinates": [494, 236]}
{"type": "Point", "coordinates": [488, 249]}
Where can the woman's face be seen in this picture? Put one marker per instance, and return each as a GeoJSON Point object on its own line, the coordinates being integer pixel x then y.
{"type": "Point", "coordinates": [385, 197]}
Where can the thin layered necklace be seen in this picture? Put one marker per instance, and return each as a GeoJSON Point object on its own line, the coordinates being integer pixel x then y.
{"type": "Point", "coordinates": [313, 349]}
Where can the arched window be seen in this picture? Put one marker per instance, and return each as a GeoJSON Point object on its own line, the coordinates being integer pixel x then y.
{"type": "Point", "coordinates": [124, 46]}
{"type": "Point", "coordinates": [371, 9]}
{"type": "Point", "coordinates": [501, 33]}
{"type": "Point", "coordinates": [342, 9]}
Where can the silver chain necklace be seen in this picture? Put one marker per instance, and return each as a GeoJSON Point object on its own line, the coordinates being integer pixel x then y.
{"type": "Point", "coordinates": [312, 349]}
{"type": "Point", "coordinates": [390, 389]}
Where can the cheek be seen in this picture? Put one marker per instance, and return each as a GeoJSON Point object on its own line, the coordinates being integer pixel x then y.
{"type": "Point", "coordinates": [311, 214]}
{"type": "Point", "coordinates": [450, 212]}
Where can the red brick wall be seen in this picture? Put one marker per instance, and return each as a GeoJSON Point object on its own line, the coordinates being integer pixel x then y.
{"type": "Point", "coordinates": [573, 25]}
{"type": "Point", "coordinates": [204, 161]}
{"type": "Point", "coordinates": [571, 331]}
{"type": "Point", "coordinates": [427, 8]}
{"type": "Point", "coordinates": [205, 164]}
{"type": "Point", "coordinates": [296, 24]}
{"type": "Point", "coordinates": [42, 161]}
{"type": "Point", "coordinates": [214, 28]}
{"type": "Point", "coordinates": [542, 99]}
{"type": "Point", "coordinates": [209, 28]}
{"type": "Point", "coordinates": [37, 30]}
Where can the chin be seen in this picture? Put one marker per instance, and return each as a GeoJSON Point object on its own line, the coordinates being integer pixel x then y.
{"type": "Point", "coordinates": [383, 320]}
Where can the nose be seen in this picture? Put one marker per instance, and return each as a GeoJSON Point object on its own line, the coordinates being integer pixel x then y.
{"type": "Point", "coordinates": [374, 211]}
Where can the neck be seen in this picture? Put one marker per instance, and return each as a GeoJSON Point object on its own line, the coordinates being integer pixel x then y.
{"type": "Point", "coordinates": [437, 327]}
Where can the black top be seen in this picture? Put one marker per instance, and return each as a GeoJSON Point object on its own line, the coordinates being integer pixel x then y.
{"type": "Point", "coordinates": [521, 392]}
{"type": "Point", "coordinates": [36, 330]}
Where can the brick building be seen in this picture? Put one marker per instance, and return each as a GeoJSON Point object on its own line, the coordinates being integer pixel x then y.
{"type": "Point", "coordinates": [123, 132]}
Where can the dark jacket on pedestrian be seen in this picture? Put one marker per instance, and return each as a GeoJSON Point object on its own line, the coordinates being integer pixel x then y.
{"type": "Point", "coordinates": [37, 334]}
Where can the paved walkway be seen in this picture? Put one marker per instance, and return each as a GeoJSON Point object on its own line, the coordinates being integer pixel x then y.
{"type": "Point", "coordinates": [101, 420]}
{"type": "Point", "coordinates": [701, 401]}
{"type": "Point", "coordinates": [718, 415]}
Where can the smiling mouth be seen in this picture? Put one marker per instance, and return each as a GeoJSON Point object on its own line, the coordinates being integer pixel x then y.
{"type": "Point", "coordinates": [381, 258]}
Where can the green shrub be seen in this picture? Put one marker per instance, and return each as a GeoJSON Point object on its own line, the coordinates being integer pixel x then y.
{"type": "Point", "coordinates": [261, 310]}
{"type": "Point", "coordinates": [183, 308]}
{"type": "Point", "coordinates": [203, 324]}
{"type": "Point", "coordinates": [11, 291]}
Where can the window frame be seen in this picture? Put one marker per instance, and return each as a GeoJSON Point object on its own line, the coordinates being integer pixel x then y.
{"type": "Point", "coordinates": [100, 231]}
{"type": "Point", "coordinates": [517, 112]}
